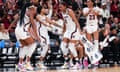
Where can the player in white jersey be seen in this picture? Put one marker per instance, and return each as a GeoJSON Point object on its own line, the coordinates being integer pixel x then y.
{"type": "Point", "coordinates": [42, 23]}
{"type": "Point", "coordinates": [23, 35]}
{"type": "Point", "coordinates": [43, 33]}
{"type": "Point", "coordinates": [71, 26]}
{"type": "Point", "coordinates": [91, 14]}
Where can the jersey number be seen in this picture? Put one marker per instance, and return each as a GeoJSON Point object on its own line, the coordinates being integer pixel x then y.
{"type": "Point", "coordinates": [92, 17]}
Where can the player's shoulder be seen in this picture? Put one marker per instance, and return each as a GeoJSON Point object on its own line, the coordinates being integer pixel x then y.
{"type": "Point", "coordinates": [86, 8]}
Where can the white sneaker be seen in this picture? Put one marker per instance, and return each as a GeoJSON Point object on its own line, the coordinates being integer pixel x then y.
{"type": "Point", "coordinates": [28, 66]}
{"type": "Point", "coordinates": [65, 66]}
{"type": "Point", "coordinates": [41, 66]}
{"type": "Point", "coordinates": [20, 67]}
{"type": "Point", "coordinates": [76, 66]}
{"type": "Point", "coordinates": [71, 64]}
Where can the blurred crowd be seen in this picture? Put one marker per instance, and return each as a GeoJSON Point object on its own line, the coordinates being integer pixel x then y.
{"type": "Point", "coordinates": [109, 21]}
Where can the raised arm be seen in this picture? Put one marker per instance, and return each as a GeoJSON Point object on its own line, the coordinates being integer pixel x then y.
{"type": "Point", "coordinates": [38, 19]}
{"type": "Point", "coordinates": [16, 17]}
{"type": "Point", "coordinates": [53, 22]}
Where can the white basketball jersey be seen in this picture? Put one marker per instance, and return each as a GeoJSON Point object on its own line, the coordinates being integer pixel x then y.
{"type": "Point", "coordinates": [68, 21]}
{"type": "Point", "coordinates": [58, 30]}
{"type": "Point", "coordinates": [91, 19]}
{"type": "Point", "coordinates": [26, 24]}
{"type": "Point", "coordinates": [43, 19]}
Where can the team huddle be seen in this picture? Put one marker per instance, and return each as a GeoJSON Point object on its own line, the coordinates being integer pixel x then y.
{"type": "Point", "coordinates": [34, 22]}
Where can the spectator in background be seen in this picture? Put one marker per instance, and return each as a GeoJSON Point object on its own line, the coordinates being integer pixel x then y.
{"type": "Point", "coordinates": [81, 18]}
{"type": "Point", "coordinates": [3, 35]}
{"type": "Point", "coordinates": [114, 8]}
{"type": "Point", "coordinates": [106, 12]}
{"type": "Point", "coordinates": [98, 3]}
{"type": "Point", "coordinates": [1, 2]}
{"type": "Point", "coordinates": [110, 20]}
{"type": "Point", "coordinates": [75, 5]}
{"type": "Point", "coordinates": [80, 3]}
{"type": "Point", "coordinates": [108, 2]}
{"type": "Point", "coordinates": [12, 7]}
{"type": "Point", "coordinates": [115, 22]}
{"type": "Point", "coordinates": [114, 43]}
{"type": "Point", "coordinates": [55, 4]}
{"type": "Point", "coordinates": [118, 30]}
{"type": "Point", "coordinates": [103, 41]}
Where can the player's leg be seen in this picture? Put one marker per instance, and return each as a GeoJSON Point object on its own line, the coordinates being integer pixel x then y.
{"type": "Point", "coordinates": [45, 48]}
{"type": "Point", "coordinates": [95, 35]}
{"type": "Point", "coordinates": [96, 43]}
{"type": "Point", "coordinates": [80, 50]}
{"type": "Point", "coordinates": [22, 53]}
{"type": "Point", "coordinates": [64, 46]}
{"type": "Point", "coordinates": [74, 53]}
{"type": "Point", "coordinates": [65, 51]}
{"type": "Point", "coordinates": [45, 45]}
{"type": "Point", "coordinates": [31, 45]}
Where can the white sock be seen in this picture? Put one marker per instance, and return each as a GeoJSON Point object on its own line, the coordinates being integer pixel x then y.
{"type": "Point", "coordinates": [80, 60]}
{"type": "Point", "coordinates": [66, 59]}
{"type": "Point", "coordinates": [64, 49]}
{"type": "Point", "coordinates": [71, 61]}
{"type": "Point", "coordinates": [77, 59]}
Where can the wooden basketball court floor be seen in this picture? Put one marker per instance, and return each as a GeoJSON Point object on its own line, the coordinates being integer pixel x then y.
{"type": "Point", "coordinates": [107, 69]}
{"type": "Point", "coordinates": [110, 69]}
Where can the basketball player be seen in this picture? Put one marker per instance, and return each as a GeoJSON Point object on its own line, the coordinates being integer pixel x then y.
{"type": "Point", "coordinates": [42, 23]}
{"type": "Point", "coordinates": [79, 48]}
{"type": "Point", "coordinates": [91, 14]}
{"type": "Point", "coordinates": [71, 26]}
{"type": "Point", "coordinates": [23, 36]}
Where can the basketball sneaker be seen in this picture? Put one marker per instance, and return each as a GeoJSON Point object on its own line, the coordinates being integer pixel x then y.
{"type": "Point", "coordinates": [28, 66]}
{"type": "Point", "coordinates": [41, 66]}
{"type": "Point", "coordinates": [65, 66]}
{"type": "Point", "coordinates": [20, 67]}
{"type": "Point", "coordinates": [76, 66]}
{"type": "Point", "coordinates": [85, 63]}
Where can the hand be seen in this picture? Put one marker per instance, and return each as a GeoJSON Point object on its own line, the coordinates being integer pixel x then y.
{"type": "Point", "coordinates": [95, 12]}
{"type": "Point", "coordinates": [38, 39]}
{"type": "Point", "coordinates": [90, 10]}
